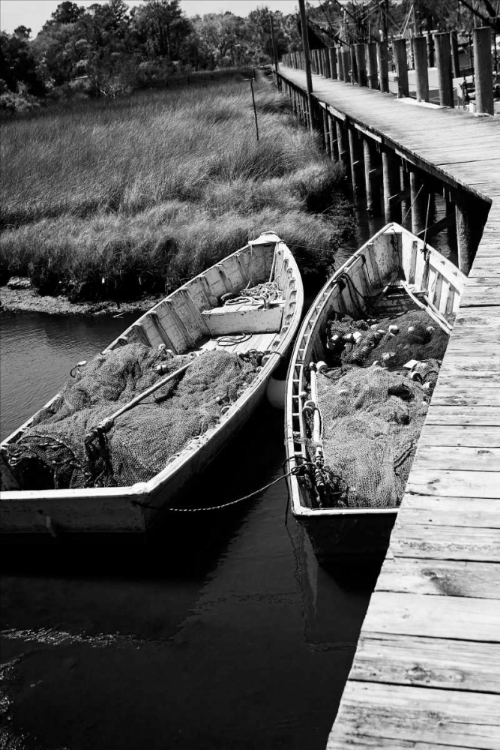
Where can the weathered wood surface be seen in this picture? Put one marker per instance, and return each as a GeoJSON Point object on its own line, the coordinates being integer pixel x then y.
{"type": "Point", "coordinates": [427, 669]}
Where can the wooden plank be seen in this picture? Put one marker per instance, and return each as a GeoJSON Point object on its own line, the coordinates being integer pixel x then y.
{"type": "Point", "coordinates": [389, 715]}
{"type": "Point", "coordinates": [459, 415]}
{"type": "Point", "coordinates": [451, 377]}
{"type": "Point", "coordinates": [463, 618]}
{"type": "Point", "coordinates": [475, 580]}
{"type": "Point", "coordinates": [448, 665]}
{"type": "Point", "coordinates": [474, 436]}
{"type": "Point", "coordinates": [454, 483]}
{"type": "Point", "coordinates": [445, 543]}
{"type": "Point", "coordinates": [468, 395]}
{"type": "Point", "coordinates": [457, 458]}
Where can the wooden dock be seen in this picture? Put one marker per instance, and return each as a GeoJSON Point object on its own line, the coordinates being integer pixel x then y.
{"type": "Point", "coordinates": [426, 673]}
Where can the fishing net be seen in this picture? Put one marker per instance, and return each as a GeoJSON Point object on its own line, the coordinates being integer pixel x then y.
{"type": "Point", "coordinates": [53, 452]}
{"type": "Point", "coordinates": [372, 407]}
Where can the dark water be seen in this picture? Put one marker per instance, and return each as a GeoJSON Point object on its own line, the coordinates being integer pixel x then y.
{"type": "Point", "coordinates": [221, 633]}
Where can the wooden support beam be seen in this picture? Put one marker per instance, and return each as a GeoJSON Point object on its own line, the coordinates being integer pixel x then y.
{"type": "Point", "coordinates": [340, 64]}
{"type": "Point", "coordinates": [383, 66]}
{"type": "Point", "coordinates": [398, 198]}
{"type": "Point", "coordinates": [417, 197]}
{"type": "Point", "coordinates": [372, 72]}
{"type": "Point", "coordinates": [356, 161]}
{"type": "Point", "coordinates": [471, 217]}
{"type": "Point", "coordinates": [343, 144]}
{"type": "Point", "coordinates": [443, 59]}
{"type": "Point", "coordinates": [455, 63]}
{"type": "Point", "coordinates": [348, 72]}
{"type": "Point", "coordinates": [483, 70]}
{"type": "Point", "coordinates": [438, 226]}
{"type": "Point", "coordinates": [404, 177]}
{"type": "Point", "coordinates": [332, 54]}
{"type": "Point", "coordinates": [359, 52]}
{"type": "Point", "coordinates": [390, 180]}
{"type": "Point", "coordinates": [421, 71]}
{"type": "Point", "coordinates": [372, 181]}
{"type": "Point", "coordinates": [399, 46]}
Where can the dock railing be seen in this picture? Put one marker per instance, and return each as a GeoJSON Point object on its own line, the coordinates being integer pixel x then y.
{"type": "Point", "coordinates": [425, 67]}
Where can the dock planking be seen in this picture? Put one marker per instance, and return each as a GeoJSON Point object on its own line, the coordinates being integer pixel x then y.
{"type": "Point", "coordinates": [426, 673]}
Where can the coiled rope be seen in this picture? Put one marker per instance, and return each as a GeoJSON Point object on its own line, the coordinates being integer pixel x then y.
{"type": "Point", "coordinates": [266, 292]}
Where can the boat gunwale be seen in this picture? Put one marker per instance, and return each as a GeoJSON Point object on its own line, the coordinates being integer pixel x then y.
{"type": "Point", "coordinates": [304, 343]}
{"type": "Point", "coordinates": [175, 465]}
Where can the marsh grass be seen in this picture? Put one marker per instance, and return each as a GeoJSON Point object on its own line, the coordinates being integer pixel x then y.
{"type": "Point", "coordinates": [114, 199]}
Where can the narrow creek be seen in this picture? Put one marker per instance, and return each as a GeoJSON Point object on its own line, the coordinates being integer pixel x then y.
{"type": "Point", "coordinates": [224, 634]}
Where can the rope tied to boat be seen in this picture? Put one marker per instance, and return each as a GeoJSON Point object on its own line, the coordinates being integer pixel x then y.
{"type": "Point", "coordinates": [297, 470]}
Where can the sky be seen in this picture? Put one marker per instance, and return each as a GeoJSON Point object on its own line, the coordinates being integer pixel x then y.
{"type": "Point", "coordinates": [34, 13]}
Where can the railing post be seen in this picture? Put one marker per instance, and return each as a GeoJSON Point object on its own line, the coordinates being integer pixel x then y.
{"type": "Point", "coordinates": [445, 81]}
{"type": "Point", "coordinates": [348, 70]}
{"type": "Point", "coordinates": [359, 52]}
{"type": "Point", "coordinates": [430, 50]}
{"type": "Point", "coordinates": [383, 66]}
{"type": "Point", "coordinates": [328, 72]}
{"type": "Point", "coordinates": [455, 63]}
{"type": "Point", "coordinates": [399, 46]}
{"type": "Point", "coordinates": [332, 54]}
{"type": "Point", "coordinates": [483, 70]}
{"type": "Point", "coordinates": [371, 56]}
{"type": "Point", "coordinates": [340, 64]}
{"type": "Point", "coordinates": [354, 67]}
{"type": "Point", "coordinates": [421, 72]}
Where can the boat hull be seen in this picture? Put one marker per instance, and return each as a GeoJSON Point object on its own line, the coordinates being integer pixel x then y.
{"type": "Point", "coordinates": [137, 509]}
{"type": "Point", "coordinates": [348, 539]}
{"type": "Point", "coordinates": [357, 535]}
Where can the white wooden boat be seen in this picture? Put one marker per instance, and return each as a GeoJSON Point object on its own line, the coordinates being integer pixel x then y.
{"type": "Point", "coordinates": [354, 534]}
{"type": "Point", "coordinates": [188, 320]}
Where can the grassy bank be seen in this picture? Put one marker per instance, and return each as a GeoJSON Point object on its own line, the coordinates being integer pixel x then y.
{"type": "Point", "coordinates": [115, 199]}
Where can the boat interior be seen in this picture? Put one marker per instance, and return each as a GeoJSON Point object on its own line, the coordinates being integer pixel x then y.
{"type": "Point", "coordinates": [395, 270]}
{"type": "Point", "coordinates": [194, 318]}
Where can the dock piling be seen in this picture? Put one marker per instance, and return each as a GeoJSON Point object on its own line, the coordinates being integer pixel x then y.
{"type": "Point", "coordinates": [443, 59]}
{"type": "Point", "coordinates": [483, 70]}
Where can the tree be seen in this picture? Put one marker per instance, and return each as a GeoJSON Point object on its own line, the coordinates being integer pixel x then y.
{"type": "Point", "coordinates": [67, 12]}
{"type": "Point", "coordinates": [22, 32]}
{"type": "Point", "coordinates": [160, 28]}
{"type": "Point", "coordinates": [18, 65]}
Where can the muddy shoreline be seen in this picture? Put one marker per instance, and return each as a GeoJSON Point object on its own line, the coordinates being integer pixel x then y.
{"type": "Point", "coordinates": [14, 301]}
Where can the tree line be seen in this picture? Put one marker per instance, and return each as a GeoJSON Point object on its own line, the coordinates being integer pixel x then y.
{"type": "Point", "coordinates": [109, 49]}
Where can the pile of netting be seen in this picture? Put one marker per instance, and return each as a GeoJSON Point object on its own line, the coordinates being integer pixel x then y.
{"type": "Point", "coordinates": [373, 397]}
{"type": "Point", "coordinates": [53, 453]}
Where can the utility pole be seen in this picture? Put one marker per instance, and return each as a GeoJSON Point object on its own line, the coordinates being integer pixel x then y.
{"type": "Point", "coordinates": [275, 52]}
{"type": "Point", "coordinates": [305, 46]}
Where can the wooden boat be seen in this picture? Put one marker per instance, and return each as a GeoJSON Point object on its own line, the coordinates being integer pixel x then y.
{"type": "Point", "coordinates": [395, 256]}
{"type": "Point", "coordinates": [188, 320]}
